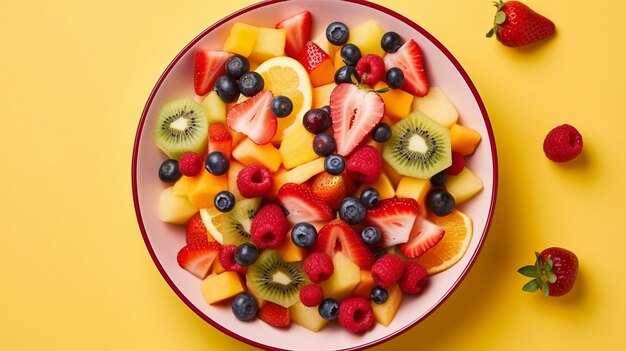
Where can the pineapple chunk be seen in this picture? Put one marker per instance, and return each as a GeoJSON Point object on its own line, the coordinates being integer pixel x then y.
{"type": "Point", "coordinates": [397, 101]}
{"type": "Point", "coordinates": [269, 43]}
{"type": "Point", "coordinates": [345, 277]}
{"type": "Point", "coordinates": [215, 107]}
{"type": "Point", "coordinates": [383, 185]}
{"type": "Point", "coordinates": [307, 317]}
{"type": "Point", "coordinates": [206, 187]}
{"type": "Point", "coordinates": [219, 287]}
{"type": "Point", "coordinates": [365, 286]}
{"type": "Point", "coordinates": [367, 37]}
{"type": "Point", "coordinates": [241, 39]}
{"type": "Point", "coordinates": [183, 185]}
{"type": "Point", "coordinates": [385, 312]}
{"type": "Point", "coordinates": [174, 209]}
{"type": "Point", "coordinates": [464, 185]}
{"type": "Point", "coordinates": [437, 106]}
{"type": "Point", "coordinates": [302, 173]}
{"type": "Point", "coordinates": [297, 146]}
{"type": "Point", "coordinates": [247, 152]}
{"type": "Point", "coordinates": [464, 140]}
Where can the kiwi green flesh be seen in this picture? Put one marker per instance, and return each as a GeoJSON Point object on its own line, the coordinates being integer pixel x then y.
{"type": "Point", "coordinates": [235, 226]}
{"type": "Point", "coordinates": [268, 274]}
{"type": "Point", "coordinates": [419, 147]}
{"type": "Point", "coordinates": [182, 126]}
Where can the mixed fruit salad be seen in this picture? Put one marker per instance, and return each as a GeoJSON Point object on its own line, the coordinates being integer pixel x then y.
{"type": "Point", "coordinates": [317, 176]}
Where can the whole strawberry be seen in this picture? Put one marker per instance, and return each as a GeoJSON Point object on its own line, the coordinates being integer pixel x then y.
{"type": "Point", "coordinates": [554, 272]}
{"type": "Point", "coordinates": [516, 25]}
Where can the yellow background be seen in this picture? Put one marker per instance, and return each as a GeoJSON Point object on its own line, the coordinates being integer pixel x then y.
{"type": "Point", "coordinates": [75, 273]}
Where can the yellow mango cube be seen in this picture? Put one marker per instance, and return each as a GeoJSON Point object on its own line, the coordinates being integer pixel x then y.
{"type": "Point", "coordinates": [367, 37]}
{"type": "Point", "coordinates": [269, 43]}
{"type": "Point", "coordinates": [397, 101]}
{"type": "Point", "coordinates": [464, 139]}
{"type": "Point", "coordinates": [384, 313]}
{"type": "Point", "coordinates": [206, 187]}
{"type": "Point", "coordinates": [382, 185]}
{"type": "Point", "coordinates": [183, 185]}
{"type": "Point", "coordinates": [414, 188]}
{"type": "Point", "coordinates": [219, 287]}
{"type": "Point", "coordinates": [391, 173]}
{"type": "Point", "coordinates": [345, 277]}
{"type": "Point", "coordinates": [365, 286]}
{"type": "Point", "coordinates": [241, 39]}
{"type": "Point", "coordinates": [247, 152]}
{"type": "Point", "coordinates": [252, 290]}
{"type": "Point", "coordinates": [321, 95]}
{"type": "Point", "coordinates": [289, 252]}
{"type": "Point", "coordinates": [297, 146]}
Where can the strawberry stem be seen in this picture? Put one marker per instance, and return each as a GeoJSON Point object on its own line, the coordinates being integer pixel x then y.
{"type": "Point", "coordinates": [499, 18]}
{"type": "Point", "coordinates": [542, 275]}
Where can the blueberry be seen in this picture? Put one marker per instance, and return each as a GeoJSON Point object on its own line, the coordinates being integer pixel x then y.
{"type": "Point", "coordinates": [227, 89]}
{"type": "Point", "coordinates": [391, 42]}
{"type": "Point", "coordinates": [281, 106]}
{"type": "Point", "coordinates": [440, 202]}
{"type": "Point", "coordinates": [169, 172]}
{"type": "Point", "coordinates": [237, 66]}
{"type": "Point", "coordinates": [379, 295]}
{"type": "Point", "coordinates": [244, 307]}
{"type": "Point", "coordinates": [350, 54]}
{"type": "Point", "coordinates": [251, 83]}
{"type": "Point", "coordinates": [334, 164]}
{"type": "Point", "coordinates": [352, 210]}
{"type": "Point", "coordinates": [371, 235]}
{"type": "Point", "coordinates": [395, 78]}
{"type": "Point", "coordinates": [304, 235]}
{"type": "Point", "coordinates": [328, 309]}
{"type": "Point", "coordinates": [316, 120]}
{"type": "Point", "coordinates": [326, 108]}
{"type": "Point", "coordinates": [216, 163]}
{"type": "Point", "coordinates": [324, 144]}
{"type": "Point", "coordinates": [337, 33]}
{"type": "Point", "coordinates": [439, 179]}
{"type": "Point", "coordinates": [369, 197]}
{"type": "Point", "coordinates": [224, 201]}
{"type": "Point", "coordinates": [345, 74]}
{"type": "Point", "coordinates": [381, 132]}
{"type": "Point", "coordinates": [246, 254]}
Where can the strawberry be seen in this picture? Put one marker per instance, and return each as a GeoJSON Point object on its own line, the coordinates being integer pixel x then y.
{"type": "Point", "coordinates": [298, 28]}
{"type": "Point", "coordinates": [394, 217]}
{"type": "Point", "coordinates": [254, 118]}
{"type": "Point", "coordinates": [275, 315]}
{"type": "Point", "coordinates": [409, 60]}
{"type": "Point", "coordinates": [207, 67]}
{"type": "Point", "coordinates": [554, 272]}
{"type": "Point", "coordinates": [198, 259]}
{"type": "Point", "coordinates": [303, 205]}
{"type": "Point", "coordinates": [312, 56]}
{"type": "Point", "coordinates": [338, 236]}
{"type": "Point", "coordinates": [220, 139]}
{"type": "Point", "coordinates": [331, 189]}
{"type": "Point", "coordinates": [354, 112]}
{"type": "Point", "coordinates": [516, 25]}
{"type": "Point", "coordinates": [196, 233]}
{"type": "Point", "coordinates": [424, 235]}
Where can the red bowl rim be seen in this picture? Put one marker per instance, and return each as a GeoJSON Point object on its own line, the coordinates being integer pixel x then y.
{"type": "Point", "coordinates": [266, 3]}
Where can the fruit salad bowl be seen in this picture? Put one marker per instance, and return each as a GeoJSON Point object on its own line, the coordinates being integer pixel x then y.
{"type": "Point", "coordinates": [164, 240]}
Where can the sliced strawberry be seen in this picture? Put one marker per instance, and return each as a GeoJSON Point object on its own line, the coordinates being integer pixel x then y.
{"type": "Point", "coordinates": [298, 30]}
{"type": "Point", "coordinates": [303, 205]}
{"type": "Point", "coordinates": [220, 139]}
{"type": "Point", "coordinates": [409, 59]}
{"type": "Point", "coordinates": [424, 235]}
{"type": "Point", "coordinates": [332, 188]}
{"type": "Point", "coordinates": [207, 67]}
{"type": "Point", "coordinates": [394, 217]}
{"type": "Point", "coordinates": [254, 118]}
{"type": "Point", "coordinates": [312, 56]}
{"type": "Point", "coordinates": [274, 315]}
{"type": "Point", "coordinates": [354, 112]}
{"type": "Point", "coordinates": [196, 233]}
{"type": "Point", "coordinates": [338, 236]}
{"type": "Point", "coordinates": [198, 259]}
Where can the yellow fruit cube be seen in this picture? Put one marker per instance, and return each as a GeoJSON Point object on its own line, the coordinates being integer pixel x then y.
{"type": "Point", "coordinates": [391, 173]}
{"type": "Point", "coordinates": [206, 187]}
{"type": "Point", "coordinates": [289, 252]}
{"type": "Point", "coordinates": [397, 101]}
{"type": "Point", "coordinates": [247, 152]}
{"type": "Point", "coordinates": [464, 185]}
{"type": "Point", "coordinates": [414, 188]}
{"type": "Point", "coordinates": [219, 287]}
{"type": "Point", "coordinates": [321, 95]}
{"type": "Point", "coordinates": [174, 209]}
{"type": "Point", "coordinates": [338, 61]}
{"type": "Point", "coordinates": [269, 43]}
{"type": "Point", "coordinates": [302, 173]}
{"type": "Point", "coordinates": [183, 185]}
{"type": "Point", "coordinates": [252, 290]}
{"type": "Point", "coordinates": [367, 37]}
{"type": "Point", "coordinates": [383, 185]}
{"type": "Point", "coordinates": [464, 140]}
{"type": "Point", "coordinates": [241, 39]}
{"type": "Point", "coordinates": [237, 137]}
{"type": "Point", "coordinates": [385, 312]}
{"type": "Point", "coordinates": [233, 172]}
{"type": "Point", "coordinates": [437, 106]}
{"type": "Point", "coordinates": [324, 44]}
{"type": "Point", "coordinates": [365, 286]}
{"type": "Point", "coordinates": [308, 317]}
{"type": "Point", "coordinates": [345, 277]}
{"type": "Point", "coordinates": [215, 107]}
{"type": "Point", "coordinates": [297, 146]}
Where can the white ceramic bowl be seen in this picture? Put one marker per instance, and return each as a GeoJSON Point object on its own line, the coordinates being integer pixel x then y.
{"type": "Point", "coordinates": [163, 240]}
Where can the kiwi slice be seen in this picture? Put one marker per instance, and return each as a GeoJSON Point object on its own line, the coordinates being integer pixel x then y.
{"type": "Point", "coordinates": [182, 126]}
{"type": "Point", "coordinates": [419, 147]}
{"type": "Point", "coordinates": [235, 224]}
{"type": "Point", "coordinates": [276, 280]}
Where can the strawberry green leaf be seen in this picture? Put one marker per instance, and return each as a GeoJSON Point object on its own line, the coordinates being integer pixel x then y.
{"type": "Point", "coordinates": [552, 278]}
{"type": "Point", "coordinates": [491, 32]}
{"type": "Point", "coordinates": [545, 289]}
{"type": "Point", "coordinates": [531, 286]}
{"type": "Point", "coordinates": [499, 5]}
{"type": "Point", "coordinates": [500, 17]}
{"type": "Point", "coordinates": [528, 271]}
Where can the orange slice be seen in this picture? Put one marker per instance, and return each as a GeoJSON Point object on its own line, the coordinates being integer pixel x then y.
{"type": "Point", "coordinates": [211, 220]}
{"type": "Point", "coordinates": [285, 76]}
{"type": "Point", "coordinates": [452, 247]}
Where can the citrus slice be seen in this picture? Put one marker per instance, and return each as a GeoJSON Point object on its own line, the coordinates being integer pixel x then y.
{"type": "Point", "coordinates": [285, 76]}
{"type": "Point", "coordinates": [452, 247]}
{"type": "Point", "coordinates": [211, 220]}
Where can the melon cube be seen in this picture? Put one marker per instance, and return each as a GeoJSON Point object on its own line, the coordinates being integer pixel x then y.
{"type": "Point", "coordinates": [437, 106]}
{"type": "Point", "coordinates": [215, 107]}
{"type": "Point", "coordinates": [382, 185]}
{"type": "Point", "coordinates": [247, 152]}
{"type": "Point", "coordinates": [206, 187]}
{"type": "Point", "coordinates": [307, 317]}
{"type": "Point", "coordinates": [464, 139]}
{"type": "Point", "coordinates": [367, 37]}
{"type": "Point", "coordinates": [173, 208]}
{"type": "Point", "coordinates": [297, 146]}
{"type": "Point", "coordinates": [219, 287]}
{"type": "Point", "coordinates": [464, 185]}
{"type": "Point", "coordinates": [397, 101]}
{"type": "Point", "coordinates": [321, 41]}
{"type": "Point", "coordinates": [241, 39]}
{"type": "Point", "coordinates": [385, 312]}
{"type": "Point", "coordinates": [269, 43]}
{"type": "Point", "coordinates": [345, 277]}
{"type": "Point", "coordinates": [365, 286]}
{"type": "Point", "coordinates": [183, 185]}
{"type": "Point", "coordinates": [321, 95]}
{"type": "Point", "coordinates": [233, 172]}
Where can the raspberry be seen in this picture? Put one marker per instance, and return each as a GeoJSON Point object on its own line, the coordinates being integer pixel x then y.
{"type": "Point", "coordinates": [458, 163]}
{"type": "Point", "coordinates": [388, 270]}
{"type": "Point", "coordinates": [371, 68]}
{"type": "Point", "coordinates": [364, 164]}
{"type": "Point", "coordinates": [190, 164]}
{"type": "Point", "coordinates": [563, 143]}
{"type": "Point", "coordinates": [254, 180]}
{"type": "Point", "coordinates": [196, 232]}
{"type": "Point", "coordinates": [414, 278]}
{"type": "Point", "coordinates": [269, 227]}
{"type": "Point", "coordinates": [318, 267]}
{"type": "Point", "coordinates": [274, 315]}
{"type": "Point", "coordinates": [227, 259]}
{"type": "Point", "coordinates": [311, 295]}
{"type": "Point", "coordinates": [355, 314]}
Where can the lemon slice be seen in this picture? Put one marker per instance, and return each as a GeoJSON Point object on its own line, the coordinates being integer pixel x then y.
{"type": "Point", "coordinates": [211, 220]}
{"type": "Point", "coordinates": [285, 76]}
